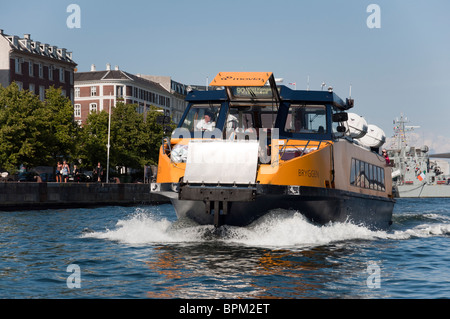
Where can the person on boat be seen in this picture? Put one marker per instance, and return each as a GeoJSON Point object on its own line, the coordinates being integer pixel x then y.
{"type": "Point", "coordinates": [206, 123]}
{"type": "Point", "coordinates": [386, 157]}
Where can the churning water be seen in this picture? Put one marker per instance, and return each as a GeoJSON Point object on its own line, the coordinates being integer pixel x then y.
{"type": "Point", "coordinates": [145, 252]}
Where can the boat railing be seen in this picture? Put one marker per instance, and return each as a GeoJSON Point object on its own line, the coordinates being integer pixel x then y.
{"type": "Point", "coordinates": [290, 151]}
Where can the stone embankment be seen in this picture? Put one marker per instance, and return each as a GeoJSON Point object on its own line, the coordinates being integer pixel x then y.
{"type": "Point", "coordinates": [18, 195]}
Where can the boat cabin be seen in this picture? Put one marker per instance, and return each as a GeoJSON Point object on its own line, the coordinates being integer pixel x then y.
{"type": "Point", "coordinates": [254, 103]}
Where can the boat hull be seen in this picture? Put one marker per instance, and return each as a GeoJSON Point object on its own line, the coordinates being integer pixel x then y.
{"type": "Point", "coordinates": [319, 205]}
{"type": "Point", "coordinates": [422, 191]}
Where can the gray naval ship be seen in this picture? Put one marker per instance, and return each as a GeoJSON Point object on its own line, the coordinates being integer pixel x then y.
{"type": "Point", "coordinates": [414, 172]}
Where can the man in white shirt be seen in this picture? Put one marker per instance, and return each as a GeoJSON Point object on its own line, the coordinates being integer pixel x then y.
{"type": "Point", "coordinates": [206, 123]}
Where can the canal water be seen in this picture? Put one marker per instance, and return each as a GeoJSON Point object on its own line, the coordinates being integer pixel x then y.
{"type": "Point", "coordinates": [145, 252]}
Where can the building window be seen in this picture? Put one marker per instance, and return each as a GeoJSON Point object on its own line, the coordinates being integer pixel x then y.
{"type": "Point", "coordinates": [77, 110]}
{"type": "Point", "coordinates": [18, 65]}
{"type": "Point", "coordinates": [20, 85]}
{"type": "Point", "coordinates": [63, 93]}
{"type": "Point", "coordinates": [71, 78]}
{"type": "Point", "coordinates": [41, 92]}
{"type": "Point", "coordinates": [50, 73]}
{"type": "Point", "coordinates": [62, 75]}
{"type": "Point", "coordinates": [119, 91]}
{"type": "Point", "coordinates": [41, 70]}
{"type": "Point", "coordinates": [93, 107]}
{"type": "Point", "coordinates": [93, 91]}
{"type": "Point", "coordinates": [32, 88]}
{"type": "Point", "coordinates": [30, 68]}
{"type": "Point", "coordinates": [77, 92]}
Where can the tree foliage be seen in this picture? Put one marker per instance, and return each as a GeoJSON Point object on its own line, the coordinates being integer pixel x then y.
{"type": "Point", "coordinates": [93, 140]}
{"type": "Point", "coordinates": [36, 133]}
{"type": "Point", "coordinates": [22, 129]}
{"type": "Point", "coordinates": [63, 131]}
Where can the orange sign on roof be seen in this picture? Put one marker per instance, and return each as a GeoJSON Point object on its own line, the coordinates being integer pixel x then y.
{"type": "Point", "coordinates": [241, 79]}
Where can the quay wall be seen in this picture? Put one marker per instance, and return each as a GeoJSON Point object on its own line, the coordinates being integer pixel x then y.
{"type": "Point", "coordinates": [18, 195]}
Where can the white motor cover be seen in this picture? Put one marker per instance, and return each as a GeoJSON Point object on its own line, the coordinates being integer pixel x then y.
{"type": "Point", "coordinates": [375, 137]}
{"type": "Point", "coordinates": [356, 126]}
{"type": "Point", "coordinates": [220, 161]}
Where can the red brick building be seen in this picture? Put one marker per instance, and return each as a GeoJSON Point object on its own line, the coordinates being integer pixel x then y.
{"type": "Point", "coordinates": [96, 90]}
{"type": "Point", "coordinates": [35, 66]}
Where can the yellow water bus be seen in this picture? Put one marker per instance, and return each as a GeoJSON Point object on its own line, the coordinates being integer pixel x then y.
{"type": "Point", "coordinates": [251, 146]}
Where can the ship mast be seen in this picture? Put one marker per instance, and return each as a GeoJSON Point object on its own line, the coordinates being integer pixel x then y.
{"type": "Point", "coordinates": [400, 130]}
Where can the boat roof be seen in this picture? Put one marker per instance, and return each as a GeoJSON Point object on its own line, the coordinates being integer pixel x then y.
{"type": "Point", "coordinates": [259, 87]}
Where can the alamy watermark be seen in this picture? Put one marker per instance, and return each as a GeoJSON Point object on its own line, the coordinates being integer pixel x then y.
{"type": "Point", "coordinates": [74, 19]}
{"type": "Point", "coordinates": [374, 19]}
{"type": "Point", "coordinates": [374, 279]}
{"type": "Point", "coordinates": [74, 280]}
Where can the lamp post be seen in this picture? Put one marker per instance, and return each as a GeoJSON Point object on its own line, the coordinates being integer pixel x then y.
{"type": "Point", "coordinates": [108, 146]}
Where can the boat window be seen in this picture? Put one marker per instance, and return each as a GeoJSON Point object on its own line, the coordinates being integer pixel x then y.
{"type": "Point", "coordinates": [201, 117]}
{"type": "Point", "coordinates": [353, 172]}
{"type": "Point", "coordinates": [251, 117]}
{"type": "Point", "coordinates": [366, 175]}
{"type": "Point", "coordinates": [306, 119]}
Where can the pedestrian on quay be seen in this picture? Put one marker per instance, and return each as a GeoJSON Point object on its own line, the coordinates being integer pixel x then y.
{"type": "Point", "coordinates": [76, 174]}
{"type": "Point", "coordinates": [58, 172]}
{"type": "Point", "coordinates": [65, 171]}
{"type": "Point", "coordinates": [98, 170]}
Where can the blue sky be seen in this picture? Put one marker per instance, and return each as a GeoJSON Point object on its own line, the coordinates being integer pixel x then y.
{"type": "Point", "coordinates": [402, 67]}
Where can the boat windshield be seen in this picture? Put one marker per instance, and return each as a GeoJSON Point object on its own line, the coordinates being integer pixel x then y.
{"type": "Point", "coordinates": [201, 117]}
{"type": "Point", "coordinates": [248, 117]}
{"type": "Point", "coordinates": [303, 118]}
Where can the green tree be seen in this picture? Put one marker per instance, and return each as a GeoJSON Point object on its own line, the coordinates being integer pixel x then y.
{"type": "Point", "coordinates": [22, 128]}
{"type": "Point", "coordinates": [135, 140]}
{"type": "Point", "coordinates": [155, 133]}
{"type": "Point", "coordinates": [93, 140]}
{"type": "Point", "coordinates": [128, 138]}
{"type": "Point", "coordinates": [63, 132]}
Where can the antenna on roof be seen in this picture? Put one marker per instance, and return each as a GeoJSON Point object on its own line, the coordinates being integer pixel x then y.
{"type": "Point", "coordinates": [350, 102]}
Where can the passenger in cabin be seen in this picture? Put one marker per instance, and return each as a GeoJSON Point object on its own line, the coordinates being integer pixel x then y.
{"type": "Point", "coordinates": [232, 122]}
{"type": "Point", "coordinates": [386, 157]}
{"type": "Point", "coordinates": [206, 123]}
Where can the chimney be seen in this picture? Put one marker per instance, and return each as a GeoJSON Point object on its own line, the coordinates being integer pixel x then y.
{"type": "Point", "coordinates": [92, 67]}
{"type": "Point", "coordinates": [108, 67]}
{"type": "Point", "coordinates": [62, 53]}
{"type": "Point", "coordinates": [54, 51]}
{"type": "Point", "coordinates": [116, 68]}
{"type": "Point", "coordinates": [26, 41]}
{"type": "Point", "coordinates": [44, 48]}
{"type": "Point", "coordinates": [37, 46]}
